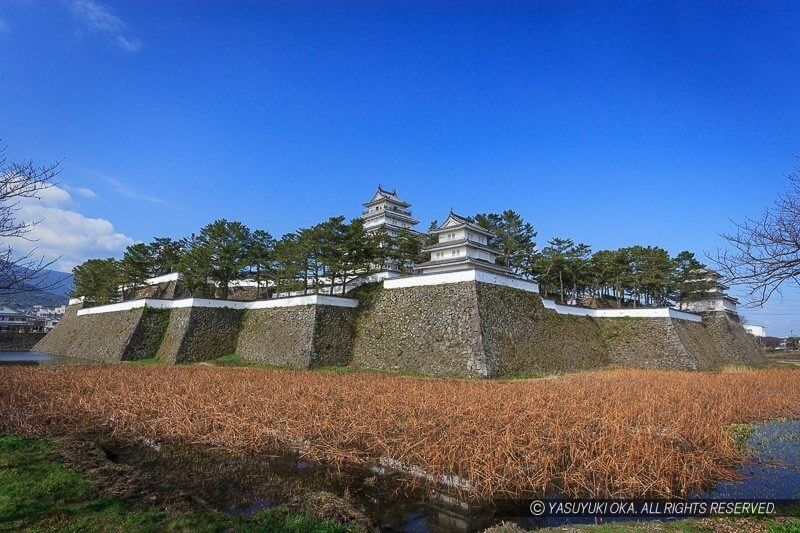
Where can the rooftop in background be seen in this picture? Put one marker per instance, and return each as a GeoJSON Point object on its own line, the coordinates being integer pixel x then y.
{"type": "Point", "coordinates": [15, 320]}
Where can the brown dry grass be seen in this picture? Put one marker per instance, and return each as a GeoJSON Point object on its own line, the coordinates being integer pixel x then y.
{"type": "Point", "coordinates": [611, 434]}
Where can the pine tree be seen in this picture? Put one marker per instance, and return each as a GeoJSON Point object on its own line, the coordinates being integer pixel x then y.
{"type": "Point", "coordinates": [514, 238]}
{"type": "Point", "coordinates": [135, 267]}
{"type": "Point", "coordinates": [97, 279]}
{"type": "Point", "coordinates": [165, 256]}
{"type": "Point", "coordinates": [226, 243]}
{"type": "Point", "coordinates": [260, 256]}
{"type": "Point", "coordinates": [195, 265]}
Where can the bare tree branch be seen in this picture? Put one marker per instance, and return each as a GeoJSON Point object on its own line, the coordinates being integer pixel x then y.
{"type": "Point", "coordinates": [764, 253]}
{"type": "Point", "coordinates": [19, 182]}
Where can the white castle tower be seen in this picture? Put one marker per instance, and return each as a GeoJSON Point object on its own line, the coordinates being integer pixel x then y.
{"type": "Point", "coordinates": [706, 292]}
{"type": "Point", "coordinates": [462, 245]}
{"type": "Point", "coordinates": [386, 210]}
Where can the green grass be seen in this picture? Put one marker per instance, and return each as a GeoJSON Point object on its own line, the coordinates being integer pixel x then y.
{"type": "Point", "coordinates": [39, 493]}
{"type": "Point", "coordinates": [740, 433]}
{"type": "Point", "coordinates": [690, 526]}
{"type": "Point", "coordinates": [231, 359]}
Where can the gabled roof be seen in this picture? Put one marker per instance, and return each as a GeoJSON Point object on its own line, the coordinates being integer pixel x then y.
{"type": "Point", "coordinates": [382, 195]}
{"type": "Point", "coordinates": [399, 215]}
{"type": "Point", "coordinates": [454, 221]}
{"type": "Point", "coordinates": [458, 243]}
{"type": "Point", "coordinates": [468, 262]}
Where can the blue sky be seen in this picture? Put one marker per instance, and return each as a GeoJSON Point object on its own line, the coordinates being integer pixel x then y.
{"type": "Point", "coordinates": [610, 123]}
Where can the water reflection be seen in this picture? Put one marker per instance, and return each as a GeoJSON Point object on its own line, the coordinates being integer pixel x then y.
{"type": "Point", "coordinates": [774, 472]}
{"type": "Point", "coordinates": [36, 359]}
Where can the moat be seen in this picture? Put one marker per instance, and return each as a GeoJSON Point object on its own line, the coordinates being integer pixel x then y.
{"type": "Point", "coordinates": [38, 359]}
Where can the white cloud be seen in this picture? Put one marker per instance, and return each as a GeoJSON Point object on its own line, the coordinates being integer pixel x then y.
{"type": "Point", "coordinates": [129, 44]}
{"type": "Point", "coordinates": [63, 235]}
{"type": "Point", "coordinates": [129, 192]}
{"type": "Point", "coordinates": [54, 197]}
{"type": "Point", "coordinates": [85, 192]}
{"type": "Point", "coordinates": [96, 18]}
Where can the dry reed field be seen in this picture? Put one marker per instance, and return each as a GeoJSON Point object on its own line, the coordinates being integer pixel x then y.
{"type": "Point", "coordinates": [610, 434]}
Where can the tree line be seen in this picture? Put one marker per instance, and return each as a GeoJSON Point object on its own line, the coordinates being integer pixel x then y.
{"type": "Point", "coordinates": [570, 271]}
{"type": "Point", "coordinates": [323, 257]}
{"type": "Point", "coordinates": [319, 258]}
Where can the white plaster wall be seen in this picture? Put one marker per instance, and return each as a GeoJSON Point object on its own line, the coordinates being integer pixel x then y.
{"type": "Point", "coordinates": [174, 276]}
{"type": "Point", "coordinates": [482, 254]}
{"type": "Point", "coordinates": [657, 312]}
{"type": "Point", "coordinates": [459, 277]}
{"type": "Point", "coordinates": [702, 306]}
{"type": "Point", "coordinates": [451, 235]}
{"type": "Point", "coordinates": [310, 299]}
{"type": "Point", "coordinates": [477, 237]}
{"type": "Point", "coordinates": [756, 331]}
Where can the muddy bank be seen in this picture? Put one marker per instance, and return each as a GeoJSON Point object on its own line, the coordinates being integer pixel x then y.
{"type": "Point", "coordinates": [184, 478]}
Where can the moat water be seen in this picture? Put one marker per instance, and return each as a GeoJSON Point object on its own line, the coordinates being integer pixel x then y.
{"type": "Point", "coordinates": [37, 359]}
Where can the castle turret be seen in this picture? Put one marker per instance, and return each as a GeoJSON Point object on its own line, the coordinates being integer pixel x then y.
{"type": "Point", "coordinates": [462, 245]}
{"type": "Point", "coordinates": [704, 292]}
{"type": "Point", "coordinates": [386, 210]}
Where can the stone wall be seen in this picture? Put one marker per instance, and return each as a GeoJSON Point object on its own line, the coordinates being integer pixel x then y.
{"type": "Point", "coordinates": [696, 338]}
{"type": "Point", "coordinates": [736, 346]}
{"type": "Point", "coordinates": [175, 332]}
{"type": "Point", "coordinates": [645, 343]}
{"type": "Point", "coordinates": [199, 334]}
{"type": "Point", "coordinates": [246, 294]}
{"type": "Point", "coordinates": [169, 290]}
{"type": "Point", "coordinates": [522, 337]}
{"type": "Point", "coordinates": [102, 337]}
{"type": "Point", "coordinates": [466, 329]}
{"type": "Point", "coordinates": [306, 336]}
{"type": "Point", "coordinates": [11, 341]}
{"type": "Point", "coordinates": [334, 328]}
{"type": "Point", "coordinates": [146, 339]}
{"type": "Point", "coordinates": [470, 329]}
{"type": "Point", "coordinates": [431, 330]}
{"type": "Point", "coordinates": [60, 336]}
{"type": "Point", "coordinates": [715, 342]}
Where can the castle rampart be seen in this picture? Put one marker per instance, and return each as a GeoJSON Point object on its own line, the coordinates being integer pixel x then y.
{"type": "Point", "coordinates": [466, 324]}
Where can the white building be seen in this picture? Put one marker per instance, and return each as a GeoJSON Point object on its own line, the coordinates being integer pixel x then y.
{"type": "Point", "coordinates": [462, 245]}
{"type": "Point", "coordinates": [705, 293]}
{"type": "Point", "coordinates": [387, 210]}
{"type": "Point", "coordinates": [755, 331]}
{"type": "Point", "coordinates": [14, 320]}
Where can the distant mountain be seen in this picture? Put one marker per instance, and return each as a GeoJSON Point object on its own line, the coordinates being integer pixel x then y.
{"type": "Point", "coordinates": [57, 287]}
{"type": "Point", "coordinates": [58, 283]}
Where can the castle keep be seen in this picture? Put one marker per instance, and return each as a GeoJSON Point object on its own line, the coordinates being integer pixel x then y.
{"type": "Point", "coordinates": [461, 314]}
